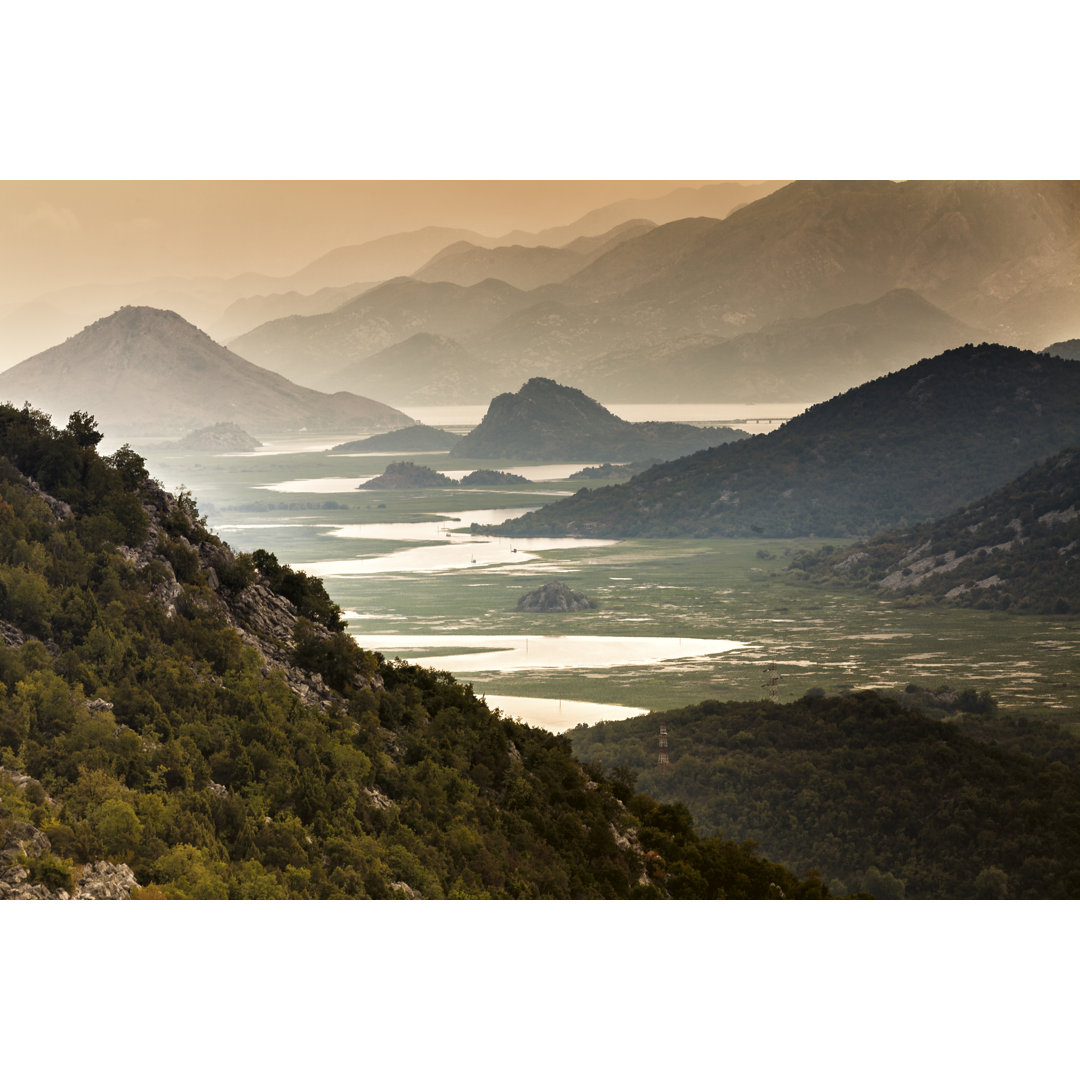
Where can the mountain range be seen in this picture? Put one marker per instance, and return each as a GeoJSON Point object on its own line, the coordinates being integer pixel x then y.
{"type": "Point", "coordinates": [227, 307]}
{"type": "Point", "coordinates": [142, 371]}
{"type": "Point", "coordinates": [523, 266]}
{"type": "Point", "coordinates": [875, 273]}
{"type": "Point", "coordinates": [903, 448]}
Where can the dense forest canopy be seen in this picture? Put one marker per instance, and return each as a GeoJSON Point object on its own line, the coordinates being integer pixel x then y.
{"type": "Point", "coordinates": [871, 792]}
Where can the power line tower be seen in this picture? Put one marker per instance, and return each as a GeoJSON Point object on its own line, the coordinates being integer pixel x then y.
{"type": "Point", "coordinates": [663, 758]}
{"type": "Point", "coordinates": [773, 682]}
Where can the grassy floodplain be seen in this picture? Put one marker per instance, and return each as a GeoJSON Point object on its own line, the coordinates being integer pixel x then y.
{"type": "Point", "coordinates": [736, 589]}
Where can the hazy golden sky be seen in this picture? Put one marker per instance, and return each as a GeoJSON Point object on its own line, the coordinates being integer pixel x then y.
{"type": "Point", "coordinates": [59, 233]}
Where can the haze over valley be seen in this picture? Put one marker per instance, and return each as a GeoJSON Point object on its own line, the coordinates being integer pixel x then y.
{"type": "Point", "coordinates": [365, 553]}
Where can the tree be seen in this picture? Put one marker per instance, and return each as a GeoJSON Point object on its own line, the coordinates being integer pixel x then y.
{"type": "Point", "coordinates": [82, 427]}
{"type": "Point", "coordinates": [130, 465]}
{"type": "Point", "coordinates": [992, 884]}
{"type": "Point", "coordinates": [117, 827]}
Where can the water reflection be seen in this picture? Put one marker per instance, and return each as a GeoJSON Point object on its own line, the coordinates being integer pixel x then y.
{"type": "Point", "coordinates": [519, 652]}
{"type": "Point", "coordinates": [449, 550]}
{"type": "Point", "coordinates": [558, 714]}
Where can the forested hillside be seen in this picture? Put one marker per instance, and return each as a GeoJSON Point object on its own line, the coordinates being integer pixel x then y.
{"type": "Point", "coordinates": [875, 795]}
{"type": "Point", "coordinates": [1019, 548]}
{"type": "Point", "coordinates": [910, 446]}
{"type": "Point", "coordinates": [200, 717]}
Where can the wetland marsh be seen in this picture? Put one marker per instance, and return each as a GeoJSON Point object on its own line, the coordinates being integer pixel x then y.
{"type": "Point", "coordinates": [397, 564]}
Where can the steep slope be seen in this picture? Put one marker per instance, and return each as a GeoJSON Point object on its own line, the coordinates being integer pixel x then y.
{"type": "Point", "coordinates": [320, 345]}
{"type": "Point", "coordinates": [145, 371]}
{"type": "Point", "coordinates": [545, 421]}
{"type": "Point", "coordinates": [425, 369]}
{"type": "Point", "coordinates": [904, 448]}
{"type": "Point", "coordinates": [179, 721]}
{"type": "Point", "coordinates": [1017, 548]}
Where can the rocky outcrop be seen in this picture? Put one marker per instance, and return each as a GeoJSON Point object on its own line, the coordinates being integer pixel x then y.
{"type": "Point", "coordinates": [60, 509]}
{"type": "Point", "coordinates": [105, 881]}
{"type": "Point", "coordinates": [265, 620]}
{"type": "Point", "coordinates": [21, 845]}
{"type": "Point", "coordinates": [555, 596]}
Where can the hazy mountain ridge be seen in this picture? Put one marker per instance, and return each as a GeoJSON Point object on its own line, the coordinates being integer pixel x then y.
{"type": "Point", "coordinates": [145, 371]}
{"type": "Point", "coordinates": [1018, 548]}
{"type": "Point", "coordinates": [28, 328]}
{"type": "Point", "coordinates": [545, 421]}
{"type": "Point", "coordinates": [789, 360]}
{"type": "Point", "coordinates": [384, 316]}
{"type": "Point", "coordinates": [1000, 257]}
{"type": "Point", "coordinates": [709, 200]}
{"type": "Point", "coordinates": [1067, 350]}
{"type": "Point", "coordinates": [425, 369]}
{"type": "Point", "coordinates": [903, 448]}
{"type": "Point", "coordinates": [251, 311]}
{"type": "Point", "coordinates": [522, 266]}
{"type": "Point", "coordinates": [966, 246]}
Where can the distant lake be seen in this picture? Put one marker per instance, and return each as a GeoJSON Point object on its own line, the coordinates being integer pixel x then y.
{"type": "Point", "coordinates": [520, 652]}
{"type": "Point", "coordinates": [755, 418]}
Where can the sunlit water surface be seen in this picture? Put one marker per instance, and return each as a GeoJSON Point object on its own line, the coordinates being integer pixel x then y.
{"type": "Point", "coordinates": [520, 652]}
{"type": "Point", "coordinates": [556, 714]}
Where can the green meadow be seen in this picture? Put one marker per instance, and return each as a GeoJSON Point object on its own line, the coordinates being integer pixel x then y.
{"type": "Point", "coordinates": [797, 636]}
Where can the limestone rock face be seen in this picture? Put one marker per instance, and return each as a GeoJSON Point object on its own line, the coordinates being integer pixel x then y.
{"type": "Point", "coordinates": [96, 881]}
{"type": "Point", "coordinates": [264, 620]}
{"type": "Point", "coordinates": [555, 596]}
{"type": "Point", "coordinates": [105, 881]}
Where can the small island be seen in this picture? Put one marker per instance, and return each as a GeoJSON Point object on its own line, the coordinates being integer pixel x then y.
{"type": "Point", "coordinates": [555, 596]}
{"type": "Point", "coordinates": [492, 478]}
{"type": "Point", "coordinates": [217, 437]}
{"type": "Point", "coordinates": [407, 474]}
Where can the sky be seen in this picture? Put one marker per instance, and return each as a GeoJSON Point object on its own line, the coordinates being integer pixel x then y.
{"type": "Point", "coordinates": [119, 90]}
{"type": "Point", "coordinates": [57, 233]}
